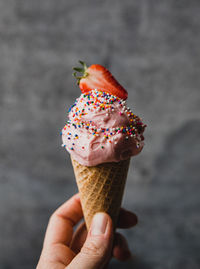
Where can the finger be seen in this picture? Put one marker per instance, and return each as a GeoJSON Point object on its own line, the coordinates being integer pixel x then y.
{"type": "Point", "coordinates": [97, 248]}
{"type": "Point", "coordinates": [127, 219]}
{"type": "Point", "coordinates": [121, 250]}
{"type": "Point", "coordinates": [79, 238]}
{"type": "Point", "coordinates": [55, 253]}
{"type": "Point", "coordinates": [57, 256]}
{"type": "Point", "coordinates": [60, 227]}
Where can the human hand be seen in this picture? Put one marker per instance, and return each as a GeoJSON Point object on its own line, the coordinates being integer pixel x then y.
{"type": "Point", "coordinates": [64, 249]}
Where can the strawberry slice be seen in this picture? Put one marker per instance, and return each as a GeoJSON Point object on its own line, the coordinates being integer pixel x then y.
{"type": "Point", "coordinates": [98, 77]}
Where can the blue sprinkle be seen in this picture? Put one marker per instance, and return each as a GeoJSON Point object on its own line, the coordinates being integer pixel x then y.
{"type": "Point", "coordinates": [71, 107]}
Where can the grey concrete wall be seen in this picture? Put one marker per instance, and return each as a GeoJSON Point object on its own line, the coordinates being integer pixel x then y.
{"type": "Point", "coordinates": [152, 47]}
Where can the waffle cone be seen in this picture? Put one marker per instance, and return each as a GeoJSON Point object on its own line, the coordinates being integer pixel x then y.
{"type": "Point", "coordinates": [101, 188]}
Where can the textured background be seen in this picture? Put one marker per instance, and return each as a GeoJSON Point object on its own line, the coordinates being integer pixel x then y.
{"type": "Point", "coordinates": [152, 47]}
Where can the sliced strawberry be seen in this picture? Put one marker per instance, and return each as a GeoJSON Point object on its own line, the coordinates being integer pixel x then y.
{"type": "Point", "coordinates": [98, 77]}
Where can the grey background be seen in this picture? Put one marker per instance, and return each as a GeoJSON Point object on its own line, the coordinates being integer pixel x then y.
{"type": "Point", "coordinates": [152, 47]}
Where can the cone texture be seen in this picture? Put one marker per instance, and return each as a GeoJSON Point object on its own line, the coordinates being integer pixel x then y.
{"type": "Point", "coordinates": [101, 188]}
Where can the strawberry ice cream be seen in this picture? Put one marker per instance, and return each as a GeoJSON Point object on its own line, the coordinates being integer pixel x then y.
{"type": "Point", "coordinates": [101, 135]}
{"type": "Point", "coordinates": [101, 129]}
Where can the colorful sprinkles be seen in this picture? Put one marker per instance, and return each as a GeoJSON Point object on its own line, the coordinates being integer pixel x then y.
{"type": "Point", "coordinates": [96, 101]}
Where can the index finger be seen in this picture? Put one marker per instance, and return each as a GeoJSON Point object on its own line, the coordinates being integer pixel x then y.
{"type": "Point", "coordinates": [60, 227]}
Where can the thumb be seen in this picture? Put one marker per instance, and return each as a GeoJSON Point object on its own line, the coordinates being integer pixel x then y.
{"type": "Point", "coordinates": [97, 248]}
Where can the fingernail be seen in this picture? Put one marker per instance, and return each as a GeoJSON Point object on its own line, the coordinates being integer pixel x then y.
{"type": "Point", "coordinates": [99, 224]}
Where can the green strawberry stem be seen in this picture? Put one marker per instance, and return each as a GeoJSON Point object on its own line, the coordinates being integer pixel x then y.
{"type": "Point", "coordinates": [82, 70]}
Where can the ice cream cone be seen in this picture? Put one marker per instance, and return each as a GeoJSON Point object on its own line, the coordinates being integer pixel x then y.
{"type": "Point", "coordinates": [101, 188]}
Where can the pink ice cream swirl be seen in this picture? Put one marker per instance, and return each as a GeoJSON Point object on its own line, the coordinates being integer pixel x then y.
{"type": "Point", "coordinates": [102, 129]}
